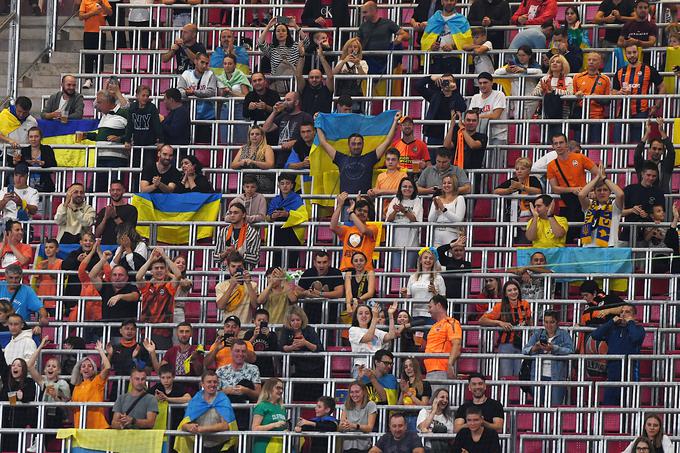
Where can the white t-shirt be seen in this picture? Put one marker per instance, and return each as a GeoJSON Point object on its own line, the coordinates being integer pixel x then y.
{"type": "Point", "coordinates": [418, 288]}
{"type": "Point", "coordinates": [541, 165]}
{"type": "Point", "coordinates": [376, 343]}
{"type": "Point", "coordinates": [406, 236]}
{"type": "Point", "coordinates": [483, 62]}
{"type": "Point", "coordinates": [422, 415]}
{"type": "Point", "coordinates": [29, 194]}
{"type": "Point", "coordinates": [495, 100]}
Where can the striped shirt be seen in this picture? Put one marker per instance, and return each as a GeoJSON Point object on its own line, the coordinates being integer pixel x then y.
{"type": "Point", "coordinates": [639, 79]}
{"type": "Point", "coordinates": [278, 54]}
{"type": "Point", "coordinates": [250, 250]}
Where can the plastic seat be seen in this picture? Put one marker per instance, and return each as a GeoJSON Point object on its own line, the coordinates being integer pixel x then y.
{"type": "Point", "coordinates": [341, 366]}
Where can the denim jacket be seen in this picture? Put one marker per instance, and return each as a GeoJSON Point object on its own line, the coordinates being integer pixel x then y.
{"type": "Point", "coordinates": [562, 345]}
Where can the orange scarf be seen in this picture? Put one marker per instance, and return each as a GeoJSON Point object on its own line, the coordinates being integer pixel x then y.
{"type": "Point", "coordinates": [241, 235]}
{"type": "Point", "coordinates": [459, 158]}
{"type": "Point", "coordinates": [523, 204]}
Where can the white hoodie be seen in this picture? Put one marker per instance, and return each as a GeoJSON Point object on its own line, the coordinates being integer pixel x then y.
{"type": "Point", "coordinates": [20, 347]}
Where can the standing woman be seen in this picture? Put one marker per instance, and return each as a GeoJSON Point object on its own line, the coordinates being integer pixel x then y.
{"type": "Point", "coordinates": [37, 155]}
{"type": "Point", "coordinates": [359, 283]}
{"type": "Point", "coordinates": [577, 36]}
{"type": "Point", "coordinates": [523, 66]}
{"type": "Point", "coordinates": [93, 13]}
{"type": "Point", "coordinates": [414, 391]}
{"type": "Point", "coordinates": [351, 63]}
{"type": "Point", "coordinates": [555, 84]}
{"type": "Point", "coordinates": [652, 432]}
{"type": "Point", "coordinates": [447, 208]}
{"type": "Point", "coordinates": [283, 52]}
{"type": "Point", "coordinates": [511, 312]}
{"type": "Point", "coordinates": [89, 387]}
{"type": "Point", "coordinates": [358, 415]}
{"type": "Point", "coordinates": [551, 340]}
{"type": "Point", "coordinates": [257, 154]}
{"type": "Point", "coordinates": [405, 208]}
{"type": "Point", "coordinates": [425, 283]}
{"type": "Point", "coordinates": [193, 179]}
{"type": "Point", "coordinates": [269, 415]}
{"type": "Point", "coordinates": [365, 337]}
{"type": "Point", "coordinates": [233, 83]}
{"type": "Point", "coordinates": [22, 388]}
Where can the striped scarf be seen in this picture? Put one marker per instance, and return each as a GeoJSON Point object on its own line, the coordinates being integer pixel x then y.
{"type": "Point", "coordinates": [598, 219]}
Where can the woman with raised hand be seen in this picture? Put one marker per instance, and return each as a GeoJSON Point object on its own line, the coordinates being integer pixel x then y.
{"type": "Point", "coordinates": [425, 283]}
{"type": "Point", "coordinates": [89, 385]}
{"type": "Point", "coordinates": [365, 337]}
{"type": "Point", "coordinates": [284, 50]}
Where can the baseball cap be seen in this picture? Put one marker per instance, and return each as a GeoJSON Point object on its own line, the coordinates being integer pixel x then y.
{"type": "Point", "coordinates": [21, 169]}
{"type": "Point", "coordinates": [233, 319]}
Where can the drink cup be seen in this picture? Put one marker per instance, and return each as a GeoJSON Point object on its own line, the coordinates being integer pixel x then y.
{"type": "Point", "coordinates": [63, 118]}
{"type": "Point", "coordinates": [416, 166]}
{"type": "Point", "coordinates": [12, 396]}
{"type": "Point", "coordinates": [79, 136]}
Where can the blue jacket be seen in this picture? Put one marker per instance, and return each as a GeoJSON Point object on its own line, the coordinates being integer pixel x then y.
{"type": "Point", "coordinates": [562, 345]}
{"type": "Point", "coordinates": [625, 339]}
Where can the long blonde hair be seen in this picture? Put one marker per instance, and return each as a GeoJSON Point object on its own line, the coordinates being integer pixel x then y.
{"type": "Point", "coordinates": [565, 65]}
{"type": "Point", "coordinates": [436, 267]}
{"type": "Point", "coordinates": [261, 148]}
{"type": "Point", "coordinates": [349, 403]}
{"type": "Point", "coordinates": [345, 48]}
{"type": "Point", "coordinates": [268, 391]}
{"type": "Point", "coordinates": [76, 375]}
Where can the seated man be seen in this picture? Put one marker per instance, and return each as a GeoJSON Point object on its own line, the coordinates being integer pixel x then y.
{"type": "Point", "coordinates": [254, 202]}
{"type": "Point", "coordinates": [380, 383]}
{"type": "Point", "coordinates": [237, 295]}
{"type": "Point", "coordinates": [162, 176]}
{"type": "Point", "coordinates": [18, 120]}
{"type": "Point", "coordinates": [21, 201]}
{"type": "Point", "coordinates": [320, 281]}
{"type": "Point", "coordinates": [661, 151]}
{"type": "Point", "coordinates": [399, 439]}
{"type": "Point", "coordinates": [531, 284]}
{"type": "Point", "coordinates": [74, 216]}
{"type": "Point", "coordinates": [220, 352]}
{"type": "Point", "coordinates": [65, 104]}
{"type": "Point", "coordinates": [136, 409]}
{"type": "Point", "coordinates": [388, 181]}
{"type": "Point", "coordinates": [263, 338]}
{"type": "Point", "coordinates": [430, 179]}
{"type": "Point", "coordinates": [24, 300]}
{"type": "Point", "coordinates": [240, 381]}
{"type": "Point", "coordinates": [128, 354]}
{"type": "Point", "coordinates": [544, 229]}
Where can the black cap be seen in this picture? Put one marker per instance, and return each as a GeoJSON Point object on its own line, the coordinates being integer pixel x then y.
{"type": "Point", "coordinates": [345, 100]}
{"type": "Point", "coordinates": [21, 169]}
{"type": "Point", "coordinates": [485, 75]}
{"type": "Point", "coordinates": [128, 322]}
{"type": "Point", "coordinates": [233, 319]}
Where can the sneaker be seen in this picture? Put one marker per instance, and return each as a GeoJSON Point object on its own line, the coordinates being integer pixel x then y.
{"type": "Point", "coordinates": [34, 447]}
{"type": "Point", "coordinates": [88, 84]}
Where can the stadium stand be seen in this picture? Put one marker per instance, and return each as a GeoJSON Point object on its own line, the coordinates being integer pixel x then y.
{"type": "Point", "coordinates": [207, 264]}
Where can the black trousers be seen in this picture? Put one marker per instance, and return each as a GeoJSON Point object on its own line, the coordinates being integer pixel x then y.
{"type": "Point", "coordinates": [119, 40]}
{"type": "Point", "coordinates": [91, 42]}
{"type": "Point", "coordinates": [286, 236]}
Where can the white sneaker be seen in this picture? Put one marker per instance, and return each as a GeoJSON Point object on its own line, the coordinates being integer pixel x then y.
{"type": "Point", "coordinates": [88, 84]}
{"type": "Point", "coordinates": [34, 447]}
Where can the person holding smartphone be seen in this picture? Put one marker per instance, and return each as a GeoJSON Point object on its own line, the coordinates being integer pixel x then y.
{"type": "Point", "coordinates": [550, 340]}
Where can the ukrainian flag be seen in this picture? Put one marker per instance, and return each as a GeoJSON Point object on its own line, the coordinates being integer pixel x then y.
{"type": "Point", "coordinates": [179, 208]}
{"type": "Point", "coordinates": [457, 25]}
{"type": "Point", "coordinates": [199, 406]}
{"type": "Point", "coordinates": [120, 441]}
{"type": "Point", "coordinates": [338, 127]}
{"type": "Point", "coordinates": [672, 60]}
{"type": "Point", "coordinates": [8, 121]}
{"type": "Point", "coordinates": [296, 216]}
{"type": "Point", "coordinates": [58, 133]}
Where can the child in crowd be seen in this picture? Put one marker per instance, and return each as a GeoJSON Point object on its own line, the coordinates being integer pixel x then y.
{"type": "Point", "coordinates": [46, 284]}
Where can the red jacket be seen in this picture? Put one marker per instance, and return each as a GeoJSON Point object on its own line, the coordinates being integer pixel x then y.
{"type": "Point", "coordinates": [542, 10]}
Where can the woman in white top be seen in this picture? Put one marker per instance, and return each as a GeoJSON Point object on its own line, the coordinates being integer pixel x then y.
{"type": "Point", "coordinates": [652, 430]}
{"type": "Point", "coordinates": [365, 337]}
{"type": "Point", "coordinates": [447, 208]}
{"type": "Point", "coordinates": [438, 418]}
{"type": "Point", "coordinates": [405, 208]}
{"type": "Point", "coordinates": [351, 62]}
{"type": "Point", "coordinates": [555, 84]}
{"type": "Point", "coordinates": [522, 67]}
{"type": "Point", "coordinates": [425, 283]}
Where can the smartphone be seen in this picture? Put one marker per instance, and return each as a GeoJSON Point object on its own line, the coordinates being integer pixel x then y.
{"type": "Point", "coordinates": [281, 20]}
{"type": "Point", "coordinates": [543, 341]}
{"type": "Point", "coordinates": [226, 337]}
{"type": "Point", "coordinates": [676, 68]}
{"type": "Point", "coordinates": [264, 324]}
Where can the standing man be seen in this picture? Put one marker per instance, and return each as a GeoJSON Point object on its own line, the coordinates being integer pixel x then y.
{"type": "Point", "coordinates": [444, 99]}
{"type": "Point", "coordinates": [588, 83]}
{"type": "Point", "coordinates": [639, 31]}
{"type": "Point", "coordinates": [489, 13]}
{"type": "Point", "coordinates": [641, 198]}
{"type": "Point", "coordinates": [315, 95]}
{"type": "Point", "coordinates": [637, 79]}
{"type": "Point", "coordinates": [200, 82]}
{"type": "Point", "coordinates": [279, 210]}
{"type": "Point", "coordinates": [136, 409]}
{"type": "Point", "coordinates": [185, 49]}
{"type": "Point", "coordinates": [375, 33]}
{"type": "Point", "coordinates": [356, 169]}
{"type": "Point", "coordinates": [623, 335]}
{"type": "Point", "coordinates": [120, 298]}
{"type": "Point", "coordinates": [260, 102]}
{"type": "Point", "coordinates": [413, 152]}
{"type": "Point", "coordinates": [454, 23]}
{"type": "Point", "coordinates": [492, 410]}
{"type": "Point", "coordinates": [286, 118]}
{"type": "Point", "coordinates": [466, 144]}
{"type": "Point", "coordinates": [158, 295]}
{"type": "Point", "coordinates": [176, 126]}
{"type": "Point", "coordinates": [162, 176]}
{"type": "Point", "coordinates": [492, 105]}
{"type": "Point", "coordinates": [614, 12]}
{"type": "Point", "coordinates": [66, 102]}
{"type": "Point", "coordinates": [657, 147]}
{"type": "Point", "coordinates": [117, 216]}
{"type": "Point", "coordinates": [220, 352]}
{"type": "Point", "coordinates": [74, 217]}
{"type": "Point", "coordinates": [445, 336]}
{"type": "Point", "coordinates": [238, 236]}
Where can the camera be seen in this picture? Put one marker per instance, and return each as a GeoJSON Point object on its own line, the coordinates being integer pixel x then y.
{"type": "Point", "coordinates": [264, 324]}
{"type": "Point", "coordinates": [445, 83]}
{"type": "Point", "coordinates": [436, 191]}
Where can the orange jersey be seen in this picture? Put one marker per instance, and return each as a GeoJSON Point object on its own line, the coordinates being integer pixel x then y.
{"type": "Point", "coordinates": [46, 285]}
{"type": "Point", "coordinates": [585, 84]}
{"type": "Point", "coordinates": [408, 152]}
{"type": "Point", "coordinates": [353, 241]}
{"type": "Point", "coordinates": [520, 315]}
{"type": "Point", "coordinates": [639, 80]}
{"type": "Point", "coordinates": [92, 24]}
{"type": "Point", "coordinates": [440, 339]}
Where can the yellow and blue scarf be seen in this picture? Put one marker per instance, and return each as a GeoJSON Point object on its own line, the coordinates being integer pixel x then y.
{"type": "Point", "coordinates": [597, 219]}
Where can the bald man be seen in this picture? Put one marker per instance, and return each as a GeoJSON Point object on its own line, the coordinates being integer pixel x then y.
{"type": "Point", "coordinates": [376, 33]}
{"type": "Point", "coordinates": [64, 102]}
{"type": "Point", "coordinates": [286, 118]}
{"type": "Point", "coordinates": [184, 49]}
{"type": "Point", "coordinates": [315, 96]}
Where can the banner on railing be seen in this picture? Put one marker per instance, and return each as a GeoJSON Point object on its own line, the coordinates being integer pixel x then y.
{"type": "Point", "coordinates": [179, 208]}
{"type": "Point", "coordinates": [58, 133]}
{"type": "Point", "coordinates": [119, 441]}
{"type": "Point", "coordinates": [338, 127]}
{"type": "Point", "coordinates": [581, 260]}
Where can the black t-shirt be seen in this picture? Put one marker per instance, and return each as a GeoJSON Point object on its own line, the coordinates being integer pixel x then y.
{"type": "Point", "coordinates": [488, 443]}
{"type": "Point", "coordinates": [406, 444]}
{"type": "Point", "coordinates": [172, 175]}
{"type": "Point", "coordinates": [302, 149]}
{"type": "Point", "coordinates": [533, 182]}
{"type": "Point", "coordinates": [490, 409]}
{"type": "Point", "coordinates": [474, 158]}
{"type": "Point", "coordinates": [328, 282]}
{"type": "Point", "coordinates": [183, 60]}
{"type": "Point", "coordinates": [639, 30]}
{"type": "Point", "coordinates": [289, 125]}
{"type": "Point", "coordinates": [377, 36]}
{"type": "Point", "coordinates": [356, 172]}
{"type": "Point", "coordinates": [127, 213]}
{"type": "Point", "coordinates": [263, 343]}
{"type": "Point", "coordinates": [269, 97]}
{"type": "Point", "coordinates": [646, 197]}
{"type": "Point", "coordinates": [453, 280]}
{"type": "Point", "coordinates": [122, 361]}
{"type": "Point", "coordinates": [625, 7]}
{"type": "Point", "coordinates": [122, 310]}
{"type": "Point", "coordinates": [314, 100]}
{"type": "Point", "coordinates": [176, 412]}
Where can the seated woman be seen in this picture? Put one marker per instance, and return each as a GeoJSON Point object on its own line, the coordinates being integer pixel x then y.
{"type": "Point", "coordinates": [17, 387]}
{"type": "Point", "coordinates": [193, 179]}
{"type": "Point", "coordinates": [437, 419]}
{"type": "Point", "coordinates": [425, 283]}
{"type": "Point", "coordinates": [132, 250]}
{"type": "Point", "coordinates": [324, 421]}
{"type": "Point", "coordinates": [652, 433]}
{"type": "Point", "coordinates": [270, 415]}
{"type": "Point", "coordinates": [257, 154]}
{"type": "Point", "coordinates": [358, 415]}
{"type": "Point", "coordinates": [365, 337]}
{"type": "Point", "coordinates": [550, 340]}
{"type": "Point", "coordinates": [359, 284]}
{"type": "Point", "coordinates": [414, 391]}
{"type": "Point", "coordinates": [447, 208]}
{"type": "Point", "coordinates": [476, 438]}
{"type": "Point", "coordinates": [37, 155]}
{"type": "Point", "coordinates": [405, 208]}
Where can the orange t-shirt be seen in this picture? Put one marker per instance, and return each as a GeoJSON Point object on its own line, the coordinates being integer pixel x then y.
{"type": "Point", "coordinates": [389, 181]}
{"type": "Point", "coordinates": [91, 391]}
{"type": "Point", "coordinates": [92, 24]}
{"type": "Point", "coordinates": [223, 357]}
{"type": "Point", "coordinates": [353, 241]}
{"type": "Point", "coordinates": [8, 257]}
{"type": "Point", "coordinates": [46, 285]}
{"type": "Point", "coordinates": [408, 152]}
{"type": "Point", "coordinates": [520, 315]}
{"type": "Point", "coordinates": [584, 83]}
{"type": "Point", "coordinates": [440, 339]}
{"type": "Point", "coordinates": [574, 168]}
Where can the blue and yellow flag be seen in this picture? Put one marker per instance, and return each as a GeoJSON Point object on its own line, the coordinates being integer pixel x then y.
{"type": "Point", "coordinates": [672, 60]}
{"type": "Point", "coordinates": [8, 122]}
{"type": "Point", "coordinates": [58, 133]}
{"type": "Point", "coordinates": [197, 407]}
{"type": "Point", "coordinates": [115, 440]}
{"type": "Point", "coordinates": [338, 127]}
{"type": "Point", "coordinates": [180, 208]}
{"type": "Point", "coordinates": [458, 26]}
{"type": "Point", "coordinates": [297, 216]}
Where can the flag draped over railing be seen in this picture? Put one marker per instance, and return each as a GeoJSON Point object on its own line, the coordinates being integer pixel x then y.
{"type": "Point", "coordinates": [58, 133]}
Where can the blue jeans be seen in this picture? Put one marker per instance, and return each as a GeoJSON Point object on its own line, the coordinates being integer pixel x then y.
{"type": "Point", "coordinates": [509, 367]}
{"type": "Point", "coordinates": [556, 395]}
